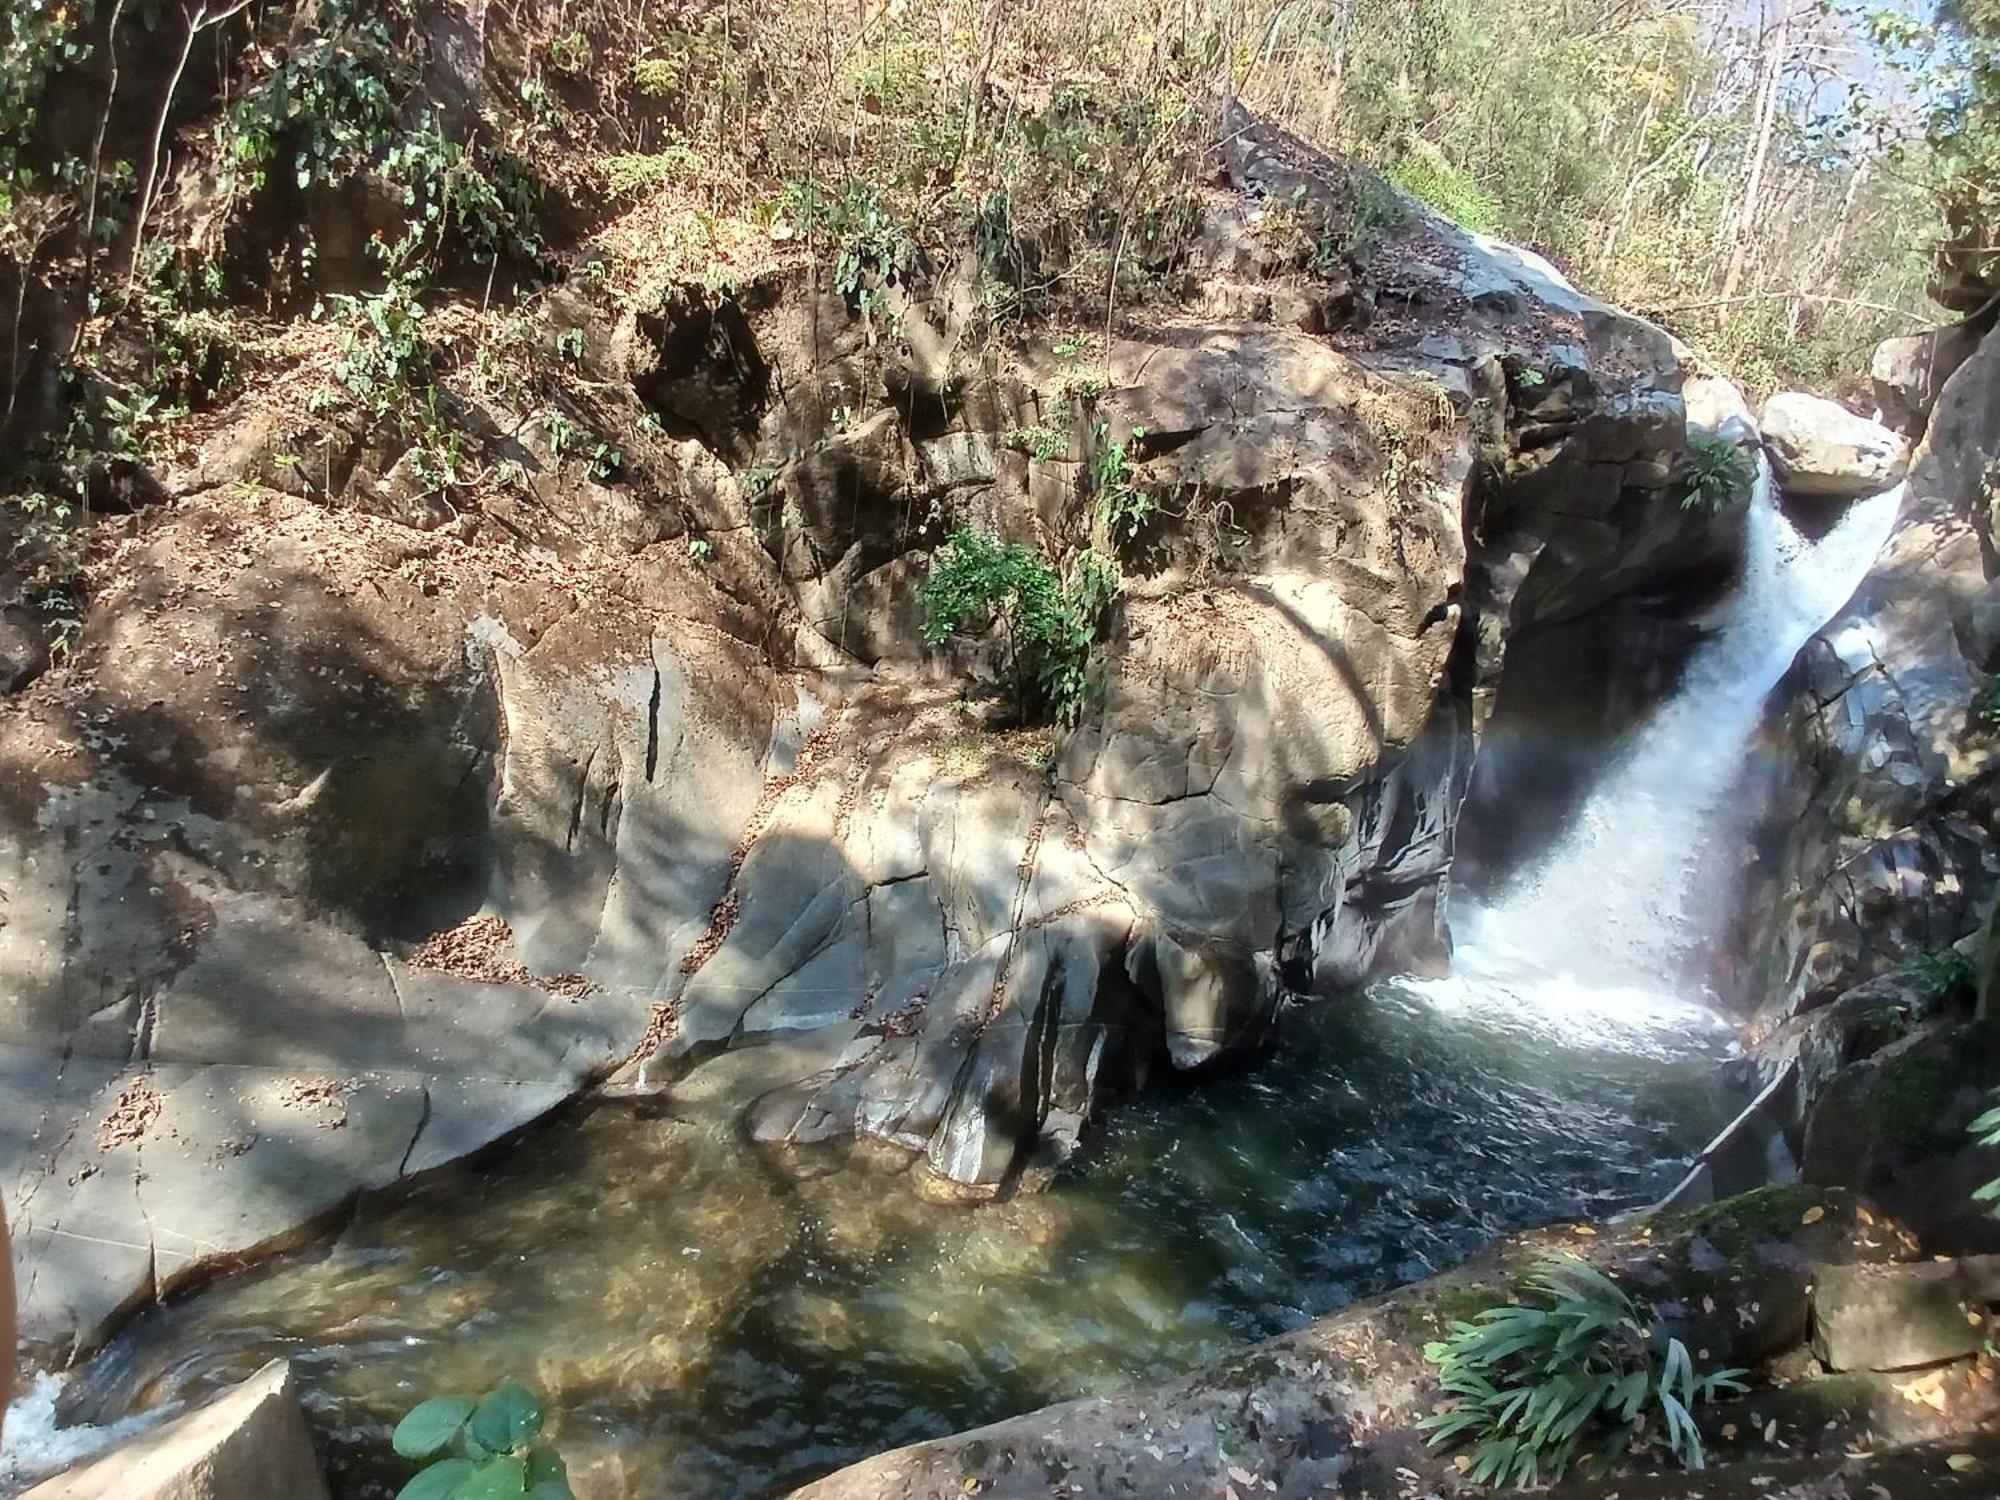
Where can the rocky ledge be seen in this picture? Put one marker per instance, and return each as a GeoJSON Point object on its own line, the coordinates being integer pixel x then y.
{"type": "Point", "coordinates": [1757, 1282]}
{"type": "Point", "coordinates": [356, 833]}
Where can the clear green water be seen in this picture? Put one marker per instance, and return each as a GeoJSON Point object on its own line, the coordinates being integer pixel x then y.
{"type": "Point", "coordinates": [706, 1323]}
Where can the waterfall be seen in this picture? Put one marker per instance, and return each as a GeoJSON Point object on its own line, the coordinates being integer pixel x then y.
{"type": "Point", "coordinates": [1605, 922]}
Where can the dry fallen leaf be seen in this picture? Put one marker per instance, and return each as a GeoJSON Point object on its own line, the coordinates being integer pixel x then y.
{"type": "Point", "coordinates": [1928, 1391]}
{"type": "Point", "coordinates": [1958, 1463]}
{"type": "Point", "coordinates": [1241, 1476]}
{"type": "Point", "coordinates": [1813, 1215]}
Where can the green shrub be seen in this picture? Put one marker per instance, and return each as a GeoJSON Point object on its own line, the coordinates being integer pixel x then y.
{"type": "Point", "coordinates": [1572, 1365]}
{"type": "Point", "coordinates": [1426, 173]}
{"type": "Point", "coordinates": [1716, 475]}
{"type": "Point", "coordinates": [480, 1449]}
{"type": "Point", "coordinates": [1944, 974]}
{"type": "Point", "coordinates": [1047, 622]}
{"type": "Point", "coordinates": [1122, 508]}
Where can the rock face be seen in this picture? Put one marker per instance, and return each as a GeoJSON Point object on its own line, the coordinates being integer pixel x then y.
{"type": "Point", "coordinates": [441, 819]}
{"type": "Point", "coordinates": [1908, 373]}
{"type": "Point", "coordinates": [246, 1444]}
{"type": "Point", "coordinates": [1879, 854]}
{"type": "Point", "coordinates": [1822, 449]}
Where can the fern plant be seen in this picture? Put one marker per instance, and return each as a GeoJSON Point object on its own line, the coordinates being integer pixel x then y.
{"type": "Point", "coordinates": [1985, 1129]}
{"type": "Point", "coordinates": [480, 1450]}
{"type": "Point", "coordinates": [1573, 1366]}
{"type": "Point", "coordinates": [1718, 474]}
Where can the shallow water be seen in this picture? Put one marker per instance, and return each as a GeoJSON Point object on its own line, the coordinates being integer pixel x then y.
{"type": "Point", "coordinates": [705, 1324]}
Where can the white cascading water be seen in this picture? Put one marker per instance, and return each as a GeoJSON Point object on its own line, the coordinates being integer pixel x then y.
{"type": "Point", "coordinates": [1596, 936]}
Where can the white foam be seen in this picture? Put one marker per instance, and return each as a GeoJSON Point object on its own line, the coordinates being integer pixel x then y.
{"type": "Point", "coordinates": [33, 1447]}
{"type": "Point", "coordinates": [1605, 925]}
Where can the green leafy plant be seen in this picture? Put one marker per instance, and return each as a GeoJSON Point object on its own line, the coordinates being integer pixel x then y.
{"type": "Point", "coordinates": [1944, 974]}
{"type": "Point", "coordinates": [1572, 1364]}
{"type": "Point", "coordinates": [385, 360]}
{"type": "Point", "coordinates": [1122, 507]}
{"type": "Point", "coordinates": [1985, 1129]}
{"type": "Point", "coordinates": [1046, 621]}
{"type": "Point", "coordinates": [1717, 474]}
{"type": "Point", "coordinates": [1986, 708]}
{"type": "Point", "coordinates": [481, 1450]}
{"type": "Point", "coordinates": [570, 53]}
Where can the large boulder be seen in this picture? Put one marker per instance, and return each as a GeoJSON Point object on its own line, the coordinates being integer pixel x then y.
{"type": "Point", "coordinates": [1822, 449]}
{"type": "Point", "coordinates": [1909, 372]}
{"type": "Point", "coordinates": [1878, 855]}
{"type": "Point", "coordinates": [249, 1443]}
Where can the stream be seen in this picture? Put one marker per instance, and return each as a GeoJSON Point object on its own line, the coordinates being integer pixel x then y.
{"type": "Point", "coordinates": [704, 1323]}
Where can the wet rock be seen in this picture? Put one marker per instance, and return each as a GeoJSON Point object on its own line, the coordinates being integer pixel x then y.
{"type": "Point", "coordinates": [1894, 1317]}
{"type": "Point", "coordinates": [1332, 1407]}
{"type": "Point", "coordinates": [1821, 449]}
{"type": "Point", "coordinates": [249, 1441]}
{"type": "Point", "coordinates": [1879, 844]}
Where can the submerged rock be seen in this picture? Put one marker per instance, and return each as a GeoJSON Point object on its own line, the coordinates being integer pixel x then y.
{"type": "Point", "coordinates": [1821, 449]}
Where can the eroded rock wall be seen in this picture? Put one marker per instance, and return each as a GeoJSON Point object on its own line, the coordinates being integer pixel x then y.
{"type": "Point", "coordinates": [1879, 864]}
{"type": "Point", "coordinates": [361, 829]}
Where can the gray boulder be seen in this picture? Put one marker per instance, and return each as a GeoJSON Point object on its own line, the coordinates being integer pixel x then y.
{"type": "Point", "coordinates": [1822, 449]}
{"type": "Point", "coordinates": [1909, 372]}
{"type": "Point", "coordinates": [250, 1443]}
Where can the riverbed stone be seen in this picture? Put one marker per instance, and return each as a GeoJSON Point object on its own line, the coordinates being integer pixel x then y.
{"type": "Point", "coordinates": [1894, 1317]}
{"type": "Point", "coordinates": [1823, 450]}
{"type": "Point", "coordinates": [248, 1443]}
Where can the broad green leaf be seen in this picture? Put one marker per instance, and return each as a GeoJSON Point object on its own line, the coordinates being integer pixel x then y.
{"type": "Point", "coordinates": [496, 1479]}
{"type": "Point", "coordinates": [430, 1427]}
{"type": "Point", "coordinates": [546, 1466]}
{"type": "Point", "coordinates": [508, 1418]}
{"type": "Point", "coordinates": [439, 1482]}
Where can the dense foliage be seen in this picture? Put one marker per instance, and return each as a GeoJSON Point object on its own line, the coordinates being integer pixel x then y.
{"type": "Point", "coordinates": [1045, 621]}
{"type": "Point", "coordinates": [1717, 474]}
{"type": "Point", "coordinates": [1570, 1369]}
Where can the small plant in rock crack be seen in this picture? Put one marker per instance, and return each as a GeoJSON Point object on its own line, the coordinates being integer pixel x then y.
{"type": "Point", "coordinates": [1571, 1368]}
{"type": "Point", "coordinates": [1121, 505]}
{"type": "Point", "coordinates": [1986, 709]}
{"type": "Point", "coordinates": [1046, 621]}
{"type": "Point", "coordinates": [1944, 974]}
{"type": "Point", "coordinates": [477, 1449]}
{"type": "Point", "coordinates": [1717, 475]}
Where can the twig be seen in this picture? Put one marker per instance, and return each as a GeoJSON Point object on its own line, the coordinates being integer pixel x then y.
{"type": "Point", "coordinates": [1881, 307]}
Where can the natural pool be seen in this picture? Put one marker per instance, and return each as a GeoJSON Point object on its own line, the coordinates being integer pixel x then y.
{"type": "Point", "coordinates": [704, 1322]}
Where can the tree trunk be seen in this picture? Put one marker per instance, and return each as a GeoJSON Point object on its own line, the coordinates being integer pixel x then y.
{"type": "Point", "coordinates": [1777, 44]}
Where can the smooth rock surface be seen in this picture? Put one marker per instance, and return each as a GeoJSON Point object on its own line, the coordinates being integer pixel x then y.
{"type": "Point", "coordinates": [1893, 1317]}
{"type": "Point", "coordinates": [1822, 449]}
{"type": "Point", "coordinates": [250, 1443]}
